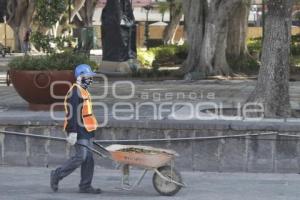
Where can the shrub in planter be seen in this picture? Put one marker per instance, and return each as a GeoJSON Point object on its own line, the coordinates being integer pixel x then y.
{"type": "Point", "coordinates": [43, 80]}
{"type": "Point", "coordinates": [62, 61]}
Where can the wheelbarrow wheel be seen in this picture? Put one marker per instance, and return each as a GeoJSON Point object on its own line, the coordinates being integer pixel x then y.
{"type": "Point", "coordinates": [165, 187]}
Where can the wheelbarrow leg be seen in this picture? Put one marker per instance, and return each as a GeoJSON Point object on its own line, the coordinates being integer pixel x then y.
{"type": "Point", "coordinates": [125, 173]}
{"type": "Point", "coordinates": [126, 187]}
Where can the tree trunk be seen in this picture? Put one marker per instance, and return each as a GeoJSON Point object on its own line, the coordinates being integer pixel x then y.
{"type": "Point", "coordinates": [237, 52]}
{"type": "Point", "coordinates": [20, 14]}
{"type": "Point", "coordinates": [176, 14]}
{"type": "Point", "coordinates": [78, 4]}
{"type": "Point", "coordinates": [214, 42]}
{"type": "Point", "coordinates": [194, 17]}
{"type": "Point", "coordinates": [207, 34]}
{"type": "Point", "coordinates": [237, 31]}
{"type": "Point", "coordinates": [220, 61]}
{"type": "Point", "coordinates": [86, 12]}
{"type": "Point", "coordinates": [272, 88]}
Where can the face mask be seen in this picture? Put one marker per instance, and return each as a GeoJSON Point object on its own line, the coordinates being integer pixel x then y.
{"type": "Point", "coordinates": [85, 82]}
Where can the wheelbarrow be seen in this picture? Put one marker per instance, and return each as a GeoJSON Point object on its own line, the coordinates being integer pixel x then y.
{"type": "Point", "coordinates": [166, 179]}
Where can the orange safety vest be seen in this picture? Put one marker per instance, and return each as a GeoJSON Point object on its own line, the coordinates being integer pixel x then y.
{"type": "Point", "coordinates": [89, 120]}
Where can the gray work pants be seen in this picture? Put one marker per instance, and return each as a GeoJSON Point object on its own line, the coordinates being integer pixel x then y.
{"type": "Point", "coordinates": [84, 158]}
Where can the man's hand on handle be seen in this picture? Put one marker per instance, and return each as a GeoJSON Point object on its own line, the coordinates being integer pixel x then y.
{"type": "Point", "coordinates": [72, 138]}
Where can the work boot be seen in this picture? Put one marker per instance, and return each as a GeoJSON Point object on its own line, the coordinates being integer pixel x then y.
{"type": "Point", "coordinates": [54, 181]}
{"type": "Point", "coordinates": [90, 190]}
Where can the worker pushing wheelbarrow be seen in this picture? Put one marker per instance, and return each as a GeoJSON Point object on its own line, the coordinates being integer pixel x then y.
{"type": "Point", "coordinates": [80, 125]}
{"type": "Point", "coordinates": [166, 179]}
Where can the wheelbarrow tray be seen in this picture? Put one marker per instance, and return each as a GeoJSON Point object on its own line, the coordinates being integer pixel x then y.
{"type": "Point", "coordinates": [141, 156]}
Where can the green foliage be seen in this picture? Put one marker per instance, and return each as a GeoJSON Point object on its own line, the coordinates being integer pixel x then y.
{"type": "Point", "coordinates": [63, 61]}
{"type": "Point", "coordinates": [48, 12]}
{"type": "Point", "coordinates": [169, 54]}
{"type": "Point", "coordinates": [43, 42]}
{"type": "Point", "coordinates": [163, 7]}
{"type": "Point", "coordinates": [163, 55]}
{"type": "Point", "coordinates": [295, 46]}
{"type": "Point", "coordinates": [182, 51]}
{"type": "Point", "coordinates": [145, 58]}
{"type": "Point", "coordinates": [254, 45]}
{"type": "Point", "coordinates": [295, 61]}
{"type": "Point", "coordinates": [152, 59]}
{"type": "Point", "coordinates": [246, 64]}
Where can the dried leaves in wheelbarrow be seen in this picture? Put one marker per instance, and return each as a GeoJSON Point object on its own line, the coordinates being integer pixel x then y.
{"type": "Point", "coordinates": [143, 156]}
{"type": "Point", "coordinates": [139, 149]}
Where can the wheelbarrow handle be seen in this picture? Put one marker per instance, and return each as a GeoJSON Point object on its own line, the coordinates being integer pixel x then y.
{"type": "Point", "coordinates": [92, 150]}
{"type": "Point", "coordinates": [45, 137]}
{"type": "Point", "coordinates": [101, 147]}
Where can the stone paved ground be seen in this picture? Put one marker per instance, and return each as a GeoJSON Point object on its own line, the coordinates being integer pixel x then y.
{"type": "Point", "coordinates": [32, 183]}
{"type": "Point", "coordinates": [173, 91]}
{"type": "Point", "coordinates": [18, 183]}
{"type": "Point", "coordinates": [150, 91]}
{"type": "Point", "coordinates": [229, 93]}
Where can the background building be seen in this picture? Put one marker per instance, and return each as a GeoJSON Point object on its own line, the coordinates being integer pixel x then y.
{"type": "Point", "coordinates": [158, 21]}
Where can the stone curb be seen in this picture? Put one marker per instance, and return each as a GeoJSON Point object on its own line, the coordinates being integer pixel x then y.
{"type": "Point", "coordinates": [239, 125]}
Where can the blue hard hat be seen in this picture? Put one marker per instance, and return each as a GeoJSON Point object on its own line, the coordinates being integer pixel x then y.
{"type": "Point", "coordinates": [84, 70]}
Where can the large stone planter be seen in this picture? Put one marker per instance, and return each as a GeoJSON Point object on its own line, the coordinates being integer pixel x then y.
{"type": "Point", "coordinates": [42, 88]}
